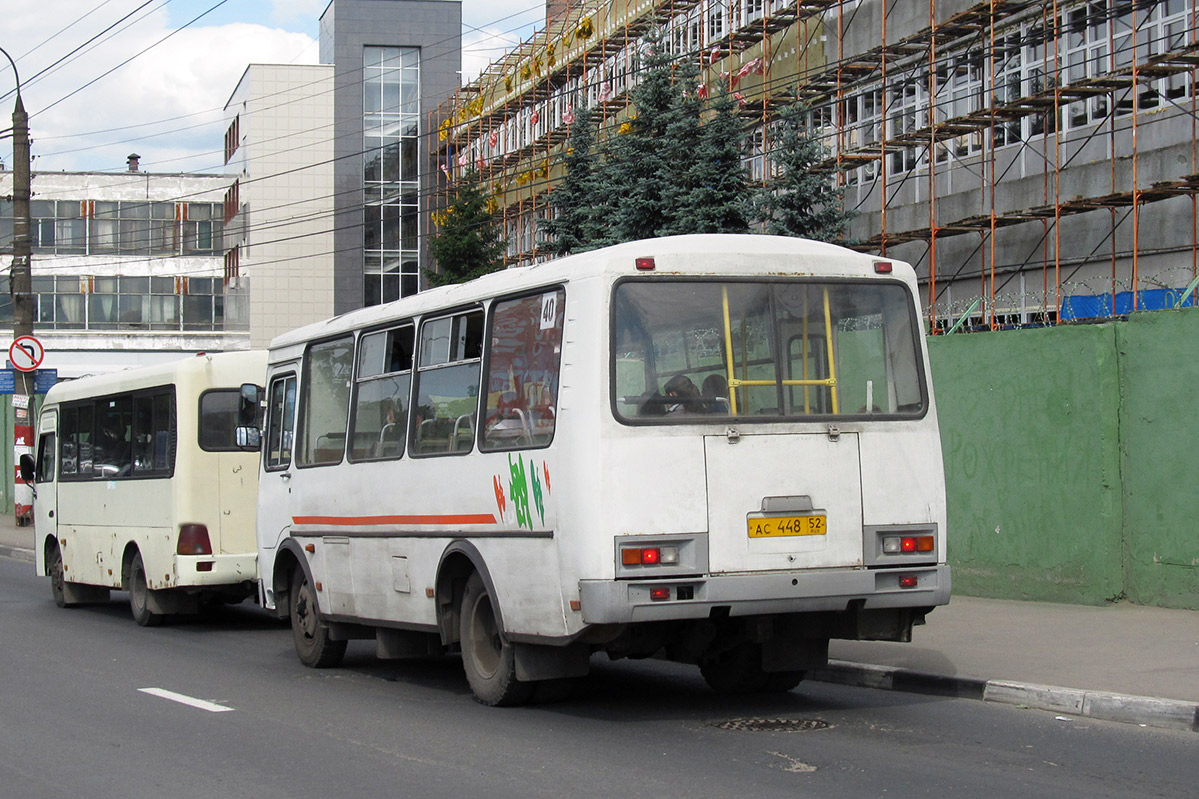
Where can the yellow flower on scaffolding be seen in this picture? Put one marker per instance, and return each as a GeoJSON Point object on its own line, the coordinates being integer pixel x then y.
{"type": "Point", "coordinates": [508, 83]}
{"type": "Point", "coordinates": [585, 28]}
{"type": "Point", "coordinates": [476, 107]}
{"type": "Point", "coordinates": [624, 128]}
{"type": "Point", "coordinates": [526, 72]}
{"type": "Point", "coordinates": [550, 58]}
{"type": "Point", "coordinates": [443, 130]}
{"type": "Point", "coordinates": [544, 171]}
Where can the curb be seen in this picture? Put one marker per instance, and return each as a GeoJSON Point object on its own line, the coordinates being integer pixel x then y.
{"type": "Point", "coordinates": [1170, 714]}
{"type": "Point", "coordinates": [16, 553]}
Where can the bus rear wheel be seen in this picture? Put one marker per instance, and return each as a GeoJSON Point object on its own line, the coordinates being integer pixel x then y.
{"type": "Point", "coordinates": [139, 594]}
{"type": "Point", "coordinates": [311, 635]}
{"type": "Point", "coordinates": [739, 671]}
{"type": "Point", "coordinates": [488, 660]}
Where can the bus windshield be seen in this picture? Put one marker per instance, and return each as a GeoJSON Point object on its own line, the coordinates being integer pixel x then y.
{"type": "Point", "coordinates": [785, 349]}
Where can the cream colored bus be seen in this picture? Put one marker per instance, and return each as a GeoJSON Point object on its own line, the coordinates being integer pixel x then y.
{"type": "Point", "coordinates": [140, 487]}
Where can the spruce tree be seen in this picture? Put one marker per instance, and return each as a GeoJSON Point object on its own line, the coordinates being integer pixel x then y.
{"type": "Point", "coordinates": [574, 226]}
{"type": "Point", "coordinates": [802, 200]}
{"type": "Point", "coordinates": [714, 194]}
{"type": "Point", "coordinates": [468, 243]}
{"type": "Point", "coordinates": [640, 168]}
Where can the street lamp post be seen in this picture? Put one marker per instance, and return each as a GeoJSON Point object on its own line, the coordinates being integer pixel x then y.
{"type": "Point", "coordinates": [22, 293]}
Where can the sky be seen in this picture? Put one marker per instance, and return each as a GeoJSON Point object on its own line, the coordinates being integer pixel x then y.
{"type": "Point", "coordinates": [102, 79]}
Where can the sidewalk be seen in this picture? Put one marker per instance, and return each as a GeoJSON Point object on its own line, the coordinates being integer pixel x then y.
{"type": "Point", "coordinates": [1119, 662]}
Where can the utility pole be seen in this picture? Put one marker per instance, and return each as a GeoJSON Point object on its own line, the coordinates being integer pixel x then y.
{"type": "Point", "coordinates": [22, 296]}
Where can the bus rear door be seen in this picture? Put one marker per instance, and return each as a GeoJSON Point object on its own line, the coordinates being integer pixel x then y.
{"type": "Point", "coordinates": [783, 501]}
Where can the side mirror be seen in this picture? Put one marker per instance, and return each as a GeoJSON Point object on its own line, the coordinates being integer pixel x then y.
{"type": "Point", "coordinates": [250, 404]}
{"type": "Point", "coordinates": [248, 438]}
{"type": "Point", "coordinates": [28, 468]}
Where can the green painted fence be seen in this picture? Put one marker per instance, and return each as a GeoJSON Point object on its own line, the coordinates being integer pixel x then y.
{"type": "Point", "coordinates": [1070, 460]}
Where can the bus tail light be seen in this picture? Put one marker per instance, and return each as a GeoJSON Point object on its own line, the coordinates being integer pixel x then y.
{"type": "Point", "coordinates": [649, 556]}
{"type": "Point", "coordinates": [659, 594]}
{"type": "Point", "coordinates": [193, 540]}
{"type": "Point", "coordinates": [908, 581]}
{"type": "Point", "coordinates": [902, 544]}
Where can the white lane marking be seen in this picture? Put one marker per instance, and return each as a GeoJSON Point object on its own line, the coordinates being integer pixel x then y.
{"type": "Point", "coordinates": [211, 707]}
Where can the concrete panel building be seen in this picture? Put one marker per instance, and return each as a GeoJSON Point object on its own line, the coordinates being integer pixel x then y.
{"type": "Point", "coordinates": [332, 166]}
{"type": "Point", "coordinates": [127, 268]}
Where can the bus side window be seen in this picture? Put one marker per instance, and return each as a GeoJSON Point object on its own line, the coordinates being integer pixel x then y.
{"type": "Point", "coordinates": [45, 458]}
{"type": "Point", "coordinates": [328, 368]}
{"type": "Point", "coordinates": [447, 384]}
{"type": "Point", "coordinates": [522, 373]}
{"type": "Point", "coordinates": [381, 389]}
{"type": "Point", "coordinates": [114, 426]}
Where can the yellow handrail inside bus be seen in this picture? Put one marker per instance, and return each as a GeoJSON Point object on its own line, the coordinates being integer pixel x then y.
{"type": "Point", "coordinates": [737, 382]}
{"type": "Point", "coordinates": [828, 338]}
{"type": "Point", "coordinates": [728, 348]}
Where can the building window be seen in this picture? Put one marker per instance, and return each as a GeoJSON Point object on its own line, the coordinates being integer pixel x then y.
{"type": "Point", "coordinates": [232, 138]}
{"type": "Point", "coordinates": [391, 172]}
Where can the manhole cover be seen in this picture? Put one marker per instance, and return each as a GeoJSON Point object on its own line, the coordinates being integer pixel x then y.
{"type": "Point", "coordinates": [770, 725]}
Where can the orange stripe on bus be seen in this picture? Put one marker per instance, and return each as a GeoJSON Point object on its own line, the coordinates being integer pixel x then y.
{"type": "Point", "coordinates": [352, 521]}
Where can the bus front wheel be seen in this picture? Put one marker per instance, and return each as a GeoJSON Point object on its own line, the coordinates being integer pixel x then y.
{"type": "Point", "coordinates": [313, 645]}
{"type": "Point", "coordinates": [488, 660]}
{"type": "Point", "coordinates": [139, 594]}
{"type": "Point", "coordinates": [57, 581]}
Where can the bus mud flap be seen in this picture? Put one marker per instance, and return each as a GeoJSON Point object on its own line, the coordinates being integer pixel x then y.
{"type": "Point", "coordinates": [535, 662]}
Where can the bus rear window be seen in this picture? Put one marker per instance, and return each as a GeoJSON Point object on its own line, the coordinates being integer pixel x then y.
{"type": "Point", "coordinates": [218, 420]}
{"type": "Point", "coordinates": [692, 350]}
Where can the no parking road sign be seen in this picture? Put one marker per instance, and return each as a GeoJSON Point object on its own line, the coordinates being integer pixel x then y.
{"type": "Point", "coordinates": [26, 353]}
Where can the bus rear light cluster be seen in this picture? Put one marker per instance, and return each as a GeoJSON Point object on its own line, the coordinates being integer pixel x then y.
{"type": "Point", "coordinates": [908, 581]}
{"type": "Point", "coordinates": [193, 540]}
{"type": "Point", "coordinates": [649, 556]}
{"type": "Point", "coordinates": [902, 544]}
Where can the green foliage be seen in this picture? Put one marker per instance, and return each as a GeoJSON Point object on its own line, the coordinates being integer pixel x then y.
{"type": "Point", "coordinates": [713, 193]}
{"type": "Point", "coordinates": [675, 167]}
{"type": "Point", "coordinates": [468, 243]}
{"type": "Point", "coordinates": [575, 226]}
{"type": "Point", "coordinates": [802, 200]}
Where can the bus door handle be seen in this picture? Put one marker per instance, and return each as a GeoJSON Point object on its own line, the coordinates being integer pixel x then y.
{"type": "Point", "coordinates": [285, 476]}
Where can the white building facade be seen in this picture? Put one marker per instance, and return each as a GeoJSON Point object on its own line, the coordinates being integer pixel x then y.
{"type": "Point", "coordinates": [127, 268]}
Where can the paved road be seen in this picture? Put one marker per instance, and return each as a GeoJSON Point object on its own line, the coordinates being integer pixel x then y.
{"type": "Point", "coordinates": [75, 720]}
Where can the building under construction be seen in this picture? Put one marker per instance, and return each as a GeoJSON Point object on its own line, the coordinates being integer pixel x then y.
{"type": "Point", "coordinates": [1036, 161]}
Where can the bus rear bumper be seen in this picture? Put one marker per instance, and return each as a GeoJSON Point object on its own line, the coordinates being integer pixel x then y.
{"type": "Point", "coordinates": [632, 601]}
{"type": "Point", "coordinates": [210, 571]}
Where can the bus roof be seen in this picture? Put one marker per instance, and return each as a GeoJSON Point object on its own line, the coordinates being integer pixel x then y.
{"type": "Point", "coordinates": [723, 254]}
{"type": "Point", "coordinates": [248, 365]}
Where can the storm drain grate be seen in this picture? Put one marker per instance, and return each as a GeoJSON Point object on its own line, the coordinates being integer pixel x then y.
{"type": "Point", "coordinates": [770, 725]}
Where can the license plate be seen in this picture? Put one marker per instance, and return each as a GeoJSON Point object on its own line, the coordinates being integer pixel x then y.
{"type": "Point", "coordinates": [776, 526]}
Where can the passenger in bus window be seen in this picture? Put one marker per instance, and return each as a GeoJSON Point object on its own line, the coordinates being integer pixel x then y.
{"type": "Point", "coordinates": [715, 394]}
{"type": "Point", "coordinates": [682, 396]}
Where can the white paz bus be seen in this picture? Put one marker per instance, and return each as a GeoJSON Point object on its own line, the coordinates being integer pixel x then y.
{"type": "Point", "coordinates": [721, 450]}
{"type": "Point", "coordinates": [140, 486]}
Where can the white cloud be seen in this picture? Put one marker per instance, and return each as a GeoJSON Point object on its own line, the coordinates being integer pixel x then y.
{"type": "Point", "coordinates": [173, 93]}
{"type": "Point", "coordinates": [166, 104]}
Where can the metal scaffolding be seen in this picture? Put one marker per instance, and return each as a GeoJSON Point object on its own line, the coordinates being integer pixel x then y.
{"type": "Point", "coordinates": [912, 105]}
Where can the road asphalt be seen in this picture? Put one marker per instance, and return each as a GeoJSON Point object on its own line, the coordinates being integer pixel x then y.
{"type": "Point", "coordinates": [1117, 662]}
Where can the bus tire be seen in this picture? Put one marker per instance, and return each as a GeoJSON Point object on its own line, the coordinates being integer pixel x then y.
{"type": "Point", "coordinates": [488, 660]}
{"type": "Point", "coordinates": [139, 594]}
{"type": "Point", "coordinates": [311, 635]}
{"type": "Point", "coordinates": [739, 671]}
{"type": "Point", "coordinates": [58, 584]}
